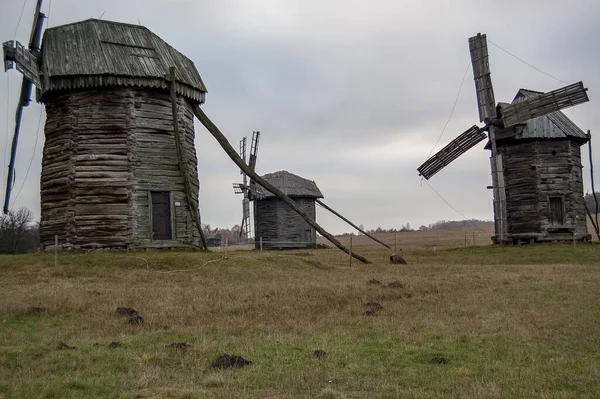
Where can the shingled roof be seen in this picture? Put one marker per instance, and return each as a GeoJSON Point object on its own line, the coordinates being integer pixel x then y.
{"type": "Point", "coordinates": [291, 185]}
{"type": "Point", "coordinates": [95, 53]}
{"type": "Point", "coordinates": [555, 125]}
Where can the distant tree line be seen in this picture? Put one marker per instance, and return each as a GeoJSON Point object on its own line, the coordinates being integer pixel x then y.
{"type": "Point", "coordinates": [18, 233]}
{"type": "Point", "coordinates": [455, 224]}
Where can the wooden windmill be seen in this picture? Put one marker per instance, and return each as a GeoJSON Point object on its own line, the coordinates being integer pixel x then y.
{"type": "Point", "coordinates": [525, 138]}
{"type": "Point", "coordinates": [119, 167]}
{"type": "Point", "coordinates": [245, 187]}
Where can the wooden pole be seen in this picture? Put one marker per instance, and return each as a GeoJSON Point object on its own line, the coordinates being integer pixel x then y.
{"type": "Point", "coordinates": [473, 237]}
{"type": "Point", "coordinates": [226, 244]}
{"type": "Point", "coordinates": [350, 253]}
{"type": "Point", "coordinates": [465, 238]}
{"type": "Point", "coordinates": [55, 250]}
{"type": "Point", "coordinates": [351, 224]}
{"type": "Point", "coordinates": [395, 242]}
{"type": "Point", "coordinates": [182, 167]}
{"type": "Point", "coordinates": [260, 243]}
{"type": "Point", "coordinates": [232, 153]}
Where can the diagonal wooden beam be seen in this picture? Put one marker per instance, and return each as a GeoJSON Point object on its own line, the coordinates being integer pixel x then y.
{"type": "Point", "coordinates": [352, 224]}
{"type": "Point", "coordinates": [220, 137]}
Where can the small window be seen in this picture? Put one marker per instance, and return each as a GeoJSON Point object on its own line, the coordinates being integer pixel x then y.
{"type": "Point", "coordinates": [556, 212]}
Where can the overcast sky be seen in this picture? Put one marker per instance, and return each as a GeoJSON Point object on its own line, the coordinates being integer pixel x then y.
{"type": "Point", "coordinates": [350, 94]}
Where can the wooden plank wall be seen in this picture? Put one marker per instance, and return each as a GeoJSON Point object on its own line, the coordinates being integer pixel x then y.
{"type": "Point", "coordinates": [280, 227]}
{"type": "Point", "coordinates": [533, 174]}
{"type": "Point", "coordinates": [86, 143]}
{"type": "Point", "coordinates": [155, 166]}
{"type": "Point", "coordinates": [104, 151]}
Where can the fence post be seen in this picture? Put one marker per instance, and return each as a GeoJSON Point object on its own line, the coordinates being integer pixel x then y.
{"type": "Point", "coordinates": [55, 250]}
{"type": "Point", "coordinates": [473, 237]}
{"type": "Point", "coordinates": [350, 251]}
{"type": "Point", "coordinates": [226, 244]}
{"type": "Point", "coordinates": [395, 241]}
{"type": "Point", "coordinates": [260, 243]}
{"type": "Point", "coordinates": [465, 238]}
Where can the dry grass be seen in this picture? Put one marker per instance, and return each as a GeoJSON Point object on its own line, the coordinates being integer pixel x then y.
{"type": "Point", "coordinates": [513, 322]}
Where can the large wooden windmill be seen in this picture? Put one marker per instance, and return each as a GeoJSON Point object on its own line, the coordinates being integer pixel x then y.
{"type": "Point", "coordinates": [245, 187]}
{"type": "Point", "coordinates": [119, 167]}
{"type": "Point", "coordinates": [535, 158]}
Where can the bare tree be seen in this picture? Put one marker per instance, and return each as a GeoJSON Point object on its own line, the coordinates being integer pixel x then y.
{"type": "Point", "coordinates": [18, 234]}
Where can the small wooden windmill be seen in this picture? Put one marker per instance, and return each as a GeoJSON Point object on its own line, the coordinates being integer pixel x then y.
{"type": "Point", "coordinates": [535, 157]}
{"type": "Point", "coordinates": [245, 188]}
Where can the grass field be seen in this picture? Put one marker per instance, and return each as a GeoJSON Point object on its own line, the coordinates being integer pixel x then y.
{"type": "Point", "coordinates": [519, 322]}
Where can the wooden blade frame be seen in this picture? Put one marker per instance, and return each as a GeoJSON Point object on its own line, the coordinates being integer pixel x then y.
{"type": "Point", "coordinates": [543, 104]}
{"type": "Point", "coordinates": [15, 54]}
{"type": "Point", "coordinates": [486, 102]}
{"type": "Point", "coordinates": [450, 152]}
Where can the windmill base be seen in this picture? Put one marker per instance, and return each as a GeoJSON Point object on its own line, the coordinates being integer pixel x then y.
{"type": "Point", "coordinates": [534, 238]}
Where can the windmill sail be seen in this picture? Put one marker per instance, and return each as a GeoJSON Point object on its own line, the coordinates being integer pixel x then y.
{"type": "Point", "coordinates": [544, 104]}
{"type": "Point", "coordinates": [16, 55]}
{"type": "Point", "coordinates": [486, 102]}
{"type": "Point", "coordinates": [26, 63]}
{"type": "Point", "coordinates": [450, 152]}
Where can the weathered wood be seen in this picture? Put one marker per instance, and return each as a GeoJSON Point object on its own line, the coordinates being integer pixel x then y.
{"type": "Point", "coordinates": [103, 149]}
{"type": "Point", "coordinates": [182, 166]}
{"type": "Point", "coordinates": [232, 153]}
{"type": "Point", "coordinates": [280, 227]}
{"type": "Point", "coordinates": [352, 224]}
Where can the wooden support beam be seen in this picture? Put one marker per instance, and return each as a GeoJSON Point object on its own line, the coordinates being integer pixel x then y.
{"type": "Point", "coordinates": [500, 219]}
{"type": "Point", "coordinates": [182, 166]}
{"type": "Point", "coordinates": [351, 224]}
{"type": "Point", "coordinates": [232, 153]}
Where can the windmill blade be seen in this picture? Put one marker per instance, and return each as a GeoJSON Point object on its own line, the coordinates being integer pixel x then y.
{"type": "Point", "coordinates": [26, 62]}
{"type": "Point", "coordinates": [24, 100]}
{"type": "Point", "coordinates": [243, 155]}
{"type": "Point", "coordinates": [543, 104]}
{"type": "Point", "coordinates": [16, 55]}
{"type": "Point", "coordinates": [486, 102]}
{"type": "Point", "coordinates": [254, 149]}
{"type": "Point", "coordinates": [450, 152]}
{"type": "Point", "coordinates": [245, 228]}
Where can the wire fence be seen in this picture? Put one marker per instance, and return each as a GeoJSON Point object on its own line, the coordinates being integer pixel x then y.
{"type": "Point", "coordinates": [397, 241]}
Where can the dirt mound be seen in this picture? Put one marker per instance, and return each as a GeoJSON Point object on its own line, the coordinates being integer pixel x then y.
{"type": "Point", "coordinates": [371, 308]}
{"type": "Point", "coordinates": [112, 345]}
{"type": "Point", "coordinates": [373, 282]}
{"type": "Point", "coordinates": [397, 259]}
{"type": "Point", "coordinates": [319, 353]}
{"type": "Point", "coordinates": [438, 360]}
{"type": "Point", "coordinates": [226, 361]}
{"type": "Point", "coordinates": [125, 311]}
{"type": "Point", "coordinates": [178, 346]}
{"type": "Point", "coordinates": [35, 310]}
{"type": "Point", "coordinates": [395, 284]}
{"type": "Point", "coordinates": [63, 346]}
{"type": "Point", "coordinates": [132, 315]}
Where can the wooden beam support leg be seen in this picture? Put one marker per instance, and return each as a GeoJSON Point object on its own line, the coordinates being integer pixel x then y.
{"type": "Point", "coordinates": [182, 166]}
{"type": "Point", "coordinates": [352, 224]}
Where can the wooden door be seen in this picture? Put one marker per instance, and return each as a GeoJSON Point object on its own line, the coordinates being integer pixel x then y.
{"type": "Point", "coordinates": [556, 210]}
{"type": "Point", "coordinates": [161, 215]}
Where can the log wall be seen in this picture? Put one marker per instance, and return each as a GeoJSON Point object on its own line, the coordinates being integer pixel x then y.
{"type": "Point", "coordinates": [104, 151]}
{"type": "Point", "coordinates": [282, 228]}
{"type": "Point", "coordinates": [535, 171]}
